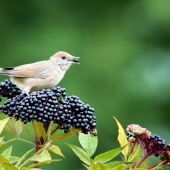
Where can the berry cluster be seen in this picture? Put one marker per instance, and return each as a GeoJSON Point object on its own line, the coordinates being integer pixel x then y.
{"type": "Point", "coordinates": [151, 144]}
{"type": "Point", "coordinates": [51, 105]}
{"type": "Point", "coordinates": [8, 89]}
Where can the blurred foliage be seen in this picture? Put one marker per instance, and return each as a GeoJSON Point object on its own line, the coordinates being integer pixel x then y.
{"type": "Point", "coordinates": [125, 60]}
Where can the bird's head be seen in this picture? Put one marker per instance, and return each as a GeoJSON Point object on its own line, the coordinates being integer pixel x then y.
{"type": "Point", "coordinates": [64, 60]}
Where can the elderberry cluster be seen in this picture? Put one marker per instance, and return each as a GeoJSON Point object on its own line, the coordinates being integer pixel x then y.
{"type": "Point", "coordinates": [152, 144]}
{"type": "Point", "coordinates": [8, 89]}
{"type": "Point", "coordinates": [49, 105]}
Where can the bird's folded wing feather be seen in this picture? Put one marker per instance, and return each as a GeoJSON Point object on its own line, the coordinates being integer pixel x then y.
{"type": "Point", "coordinates": [35, 70]}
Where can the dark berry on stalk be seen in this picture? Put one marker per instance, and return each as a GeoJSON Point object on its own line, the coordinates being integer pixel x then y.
{"type": "Point", "coordinates": [94, 134]}
{"type": "Point", "coordinates": [75, 60]}
{"type": "Point", "coordinates": [168, 145]}
{"type": "Point", "coordinates": [156, 155]}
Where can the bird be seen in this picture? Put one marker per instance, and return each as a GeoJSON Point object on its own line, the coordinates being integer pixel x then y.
{"type": "Point", "coordinates": [40, 75]}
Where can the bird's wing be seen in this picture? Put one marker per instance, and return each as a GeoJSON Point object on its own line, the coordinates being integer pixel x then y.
{"type": "Point", "coordinates": [35, 70]}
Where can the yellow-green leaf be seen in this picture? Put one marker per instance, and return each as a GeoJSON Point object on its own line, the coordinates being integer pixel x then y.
{"type": "Point", "coordinates": [9, 130]}
{"type": "Point", "coordinates": [43, 156]}
{"type": "Point", "coordinates": [7, 152]}
{"type": "Point", "coordinates": [54, 129]}
{"type": "Point", "coordinates": [8, 166]}
{"type": "Point", "coordinates": [3, 159]}
{"type": "Point", "coordinates": [159, 165]}
{"type": "Point", "coordinates": [26, 130]}
{"type": "Point", "coordinates": [94, 165]}
{"type": "Point", "coordinates": [80, 153]}
{"type": "Point", "coordinates": [56, 150]}
{"type": "Point", "coordinates": [88, 142]}
{"type": "Point", "coordinates": [24, 168]}
{"type": "Point", "coordinates": [49, 131]}
{"type": "Point", "coordinates": [2, 144]}
{"type": "Point", "coordinates": [122, 139]}
{"type": "Point", "coordinates": [107, 156]}
{"type": "Point", "coordinates": [85, 166]}
{"type": "Point", "coordinates": [116, 163]}
{"type": "Point", "coordinates": [39, 129]}
{"type": "Point", "coordinates": [3, 123]}
{"type": "Point", "coordinates": [133, 154]}
{"type": "Point", "coordinates": [1, 139]}
{"type": "Point", "coordinates": [102, 166]}
{"type": "Point", "coordinates": [120, 167]}
{"type": "Point", "coordinates": [41, 163]}
{"type": "Point", "coordinates": [66, 135]}
{"type": "Point", "coordinates": [15, 126]}
{"type": "Point", "coordinates": [13, 159]}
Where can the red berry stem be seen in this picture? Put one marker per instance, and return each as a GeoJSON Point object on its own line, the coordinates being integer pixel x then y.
{"type": "Point", "coordinates": [36, 148]}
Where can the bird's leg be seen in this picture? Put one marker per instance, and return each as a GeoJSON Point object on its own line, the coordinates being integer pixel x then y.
{"type": "Point", "coordinates": [26, 90]}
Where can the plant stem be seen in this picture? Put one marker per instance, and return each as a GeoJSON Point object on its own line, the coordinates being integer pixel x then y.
{"type": "Point", "coordinates": [137, 165]}
{"type": "Point", "coordinates": [153, 166]}
{"type": "Point", "coordinates": [36, 148]}
{"type": "Point", "coordinates": [11, 140]}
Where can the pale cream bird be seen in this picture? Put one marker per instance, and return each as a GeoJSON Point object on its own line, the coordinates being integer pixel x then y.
{"type": "Point", "coordinates": [40, 75]}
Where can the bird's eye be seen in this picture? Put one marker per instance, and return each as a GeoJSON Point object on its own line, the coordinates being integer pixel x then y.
{"type": "Point", "coordinates": [63, 57]}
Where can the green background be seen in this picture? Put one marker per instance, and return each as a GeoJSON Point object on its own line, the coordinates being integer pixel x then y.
{"type": "Point", "coordinates": [125, 61]}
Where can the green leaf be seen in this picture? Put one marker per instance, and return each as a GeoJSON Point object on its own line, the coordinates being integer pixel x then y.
{"type": "Point", "coordinates": [7, 152]}
{"type": "Point", "coordinates": [120, 167]}
{"type": "Point", "coordinates": [26, 130]}
{"type": "Point", "coordinates": [122, 139]}
{"type": "Point", "coordinates": [39, 129]}
{"type": "Point", "coordinates": [2, 144]}
{"type": "Point", "coordinates": [3, 159]}
{"type": "Point", "coordinates": [8, 166]}
{"type": "Point", "coordinates": [88, 142]}
{"type": "Point", "coordinates": [159, 165]}
{"type": "Point", "coordinates": [94, 165]}
{"type": "Point", "coordinates": [15, 126]}
{"type": "Point", "coordinates": [24, 168]}
{"type": "Point", "coordinates": [13, 159]}
{"type": "Point", "coordinates": [3, 123]}
{"type": "Point", "coordinates": [1, 139]}
{"type": "Point", "coordinates": [34, 169]}
{"type": "Point", "coordinates": [9, 130]}
{"type": "Point", "coordinates": [23, 157]}
{"type": "Point", "coordinates": [66, 135]}
{"type": "Point", "coordinates": [116, 163]}
{"type": "Point", "coordinates": [80, 153]}
{"type": "Point", "coordinates": [107, 156]}
{"type": "Point", "coordinates": [102, 166]}
{"type": "Point", "coordinates": [49, 131]}
{"type": "Point", "coordinates": [133, 154]}
{"type": "Point", "coordinates": [45, 162]}
{"type": "Point", "coordinates": [43, 156]}
{"type": "Point", "coordinates": [56, 150]}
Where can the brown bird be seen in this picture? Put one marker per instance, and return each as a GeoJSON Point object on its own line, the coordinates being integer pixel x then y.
{"type": "Point", "coordinates": [40, 75]}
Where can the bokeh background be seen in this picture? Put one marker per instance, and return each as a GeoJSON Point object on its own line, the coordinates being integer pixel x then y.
{"type": "Point", "coordinates": [125, 61]}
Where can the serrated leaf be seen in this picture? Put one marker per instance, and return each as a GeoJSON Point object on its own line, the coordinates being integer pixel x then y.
{"type": "Point", "coordinates": [15, 126]}
{"type": "Point", "coordinates": [9, 130]}
{"type": "Point", "coordinates": [102, 166]}
{"type": "Point", "coordinates": [7, 152]}
{"type": "Point", "coordinates": [94, 165]}
{"type": "Point", "coordinates": [26, 130]}
{"type": "Point", "coordinates": [39, 129]}
{"type": "Point", "coordinates": [13, 159]}
{"type": "Point", "coordinates": [49, 131]}
{"type": "Point", "coordinates": [8, 166]}
{"type": "Point", "coordinates": [88, 142]}
{"type": "Point", "coordinates": [120, 167]}
{"type": "Point", "coordinates": [116, 163]}
{"type": "Point", "coordinates": [133, 154]}
{"type": "Point", "coordinates": [43, 156]}
{"type": "Point", "coordinates": [3, 123]}
{"type": "Point", "coordinates": [56, 150]}
{"type": "Point", "coordinates": [39, 151]}
{"type": "Point", "coordinates": [22, 158]}
{"type": "Point", "coordinates": [107, 156]}
{"type": "Point", "coordinates": [80, 153]}
{"type": "Point", "coordinates": [45, 162]}
{"type": "Point", "coordinates": [122, 139]}
{"type": "Point", "coordinates": [66, 135]}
